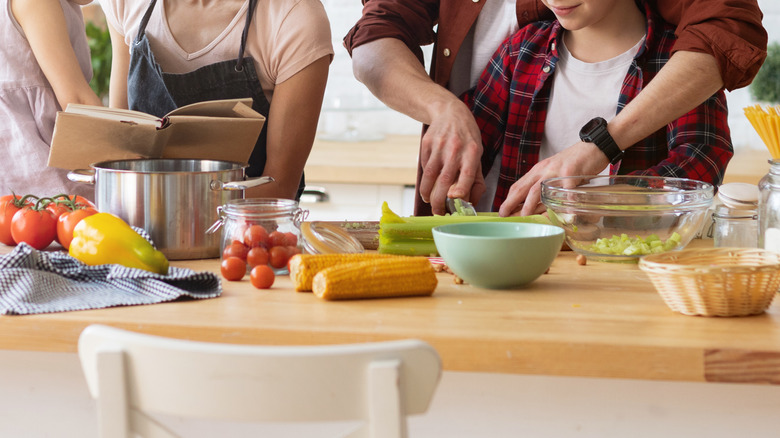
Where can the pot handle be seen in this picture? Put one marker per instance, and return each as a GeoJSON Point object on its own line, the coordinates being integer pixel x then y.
{"type": "Point", "coordinates": [240, 185]}
{"type": "Point", "coordinates": [86, 176]}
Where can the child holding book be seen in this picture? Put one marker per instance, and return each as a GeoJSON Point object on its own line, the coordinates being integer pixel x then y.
{"type": "Point", "coordinates": [554, 83]}
{"type": "Point", "coordinates": [167, 54]}
{"type": "Point", "coordinates": [46, 65]}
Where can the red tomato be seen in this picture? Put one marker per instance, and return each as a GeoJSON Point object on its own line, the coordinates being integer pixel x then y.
{"type": "Point", "coordinates": [290, 239]}
{"type": "Point", "coordinates": [262, 277]}
{"type": "Point", "coordinates": [80, 201]}
{"type": "Point", "coordinates": [256, 235]}
{"type": "Point", "coordinates": [235, 249]}
{"type": "Point", "coordinates": [276, 238]}
{"type": "Point", "coordinates": [233, 269]}
{"type": "Point", "coordinates": [7, 211]}
{"type": "Point", "coordinates": [36, 228]}
{"type": "Point", "coordinates": [278, 256]}
{"type": "Point", "coordinates": [257, 256]}
{"type": "Point", "coordinates": [57, 209]}
{"type": "Point", "coordinates": [67, 222]}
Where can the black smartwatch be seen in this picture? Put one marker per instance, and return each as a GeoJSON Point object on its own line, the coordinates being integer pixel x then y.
{"type": "Point", "coordinates": [595, 131]}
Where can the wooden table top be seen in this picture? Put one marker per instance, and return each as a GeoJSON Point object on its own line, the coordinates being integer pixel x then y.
{"type": "Point", "coordinates": [596, 320]}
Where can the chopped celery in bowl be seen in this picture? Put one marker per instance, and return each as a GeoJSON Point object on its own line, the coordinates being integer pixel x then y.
{"type": "Point", "coordinates": [625, 217]}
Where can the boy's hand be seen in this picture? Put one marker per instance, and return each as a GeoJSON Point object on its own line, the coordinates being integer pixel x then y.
{"type": "Point", "coordinates": [525, 195]}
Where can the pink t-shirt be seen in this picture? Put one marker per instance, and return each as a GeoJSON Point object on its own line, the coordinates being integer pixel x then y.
{"type": "Point", "coordinates": [28, 108]}
{"type": "Point", "coordinates": [285, 37]}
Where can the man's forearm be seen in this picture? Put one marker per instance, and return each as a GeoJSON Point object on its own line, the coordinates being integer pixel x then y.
{"type": "Point", "coordinates": [687, 80]}
{"type": "Point", "coordinates": [395, 76]}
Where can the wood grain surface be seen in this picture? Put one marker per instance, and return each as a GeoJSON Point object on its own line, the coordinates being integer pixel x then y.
{"type": "Point", "coordinates": [593, 320]}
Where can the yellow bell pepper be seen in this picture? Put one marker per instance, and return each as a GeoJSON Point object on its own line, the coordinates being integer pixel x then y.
{"type": "Point", "coordinates": [104, 238]}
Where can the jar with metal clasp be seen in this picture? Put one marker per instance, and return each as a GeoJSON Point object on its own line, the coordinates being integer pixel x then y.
{"type": "Point", "coordinates": [769, 208]}
{"type": "Point", "coordinates": [735, 220]}
{"type": "Point", "coordinates": [271, 230]}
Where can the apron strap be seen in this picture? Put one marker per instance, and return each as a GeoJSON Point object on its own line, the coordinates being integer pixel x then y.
{"type": "Point", "coordinates": [145, 21]}
{"type": "Point", "coordinates": [249, 14]}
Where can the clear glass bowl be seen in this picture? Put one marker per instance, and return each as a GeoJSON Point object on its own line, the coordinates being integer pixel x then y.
{"type": "Point", "coordinates": [622, 218]}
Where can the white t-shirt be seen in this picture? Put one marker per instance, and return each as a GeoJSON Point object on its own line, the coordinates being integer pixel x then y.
{"type": "Point", "coordinates": [285, 37]}
{"type": "Point", "coordinates": [580, 92]}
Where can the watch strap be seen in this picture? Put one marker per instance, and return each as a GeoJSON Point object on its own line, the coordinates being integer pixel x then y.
{"type": "Point", "coordinates": [601, 137]}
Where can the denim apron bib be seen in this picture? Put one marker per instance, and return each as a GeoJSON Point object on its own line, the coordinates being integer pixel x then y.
{"type": "Point", "coordinates": [155, 92]}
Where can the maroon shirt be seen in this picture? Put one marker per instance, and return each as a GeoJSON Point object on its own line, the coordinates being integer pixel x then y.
{"type": "Point", "coordinates": [730, 30]}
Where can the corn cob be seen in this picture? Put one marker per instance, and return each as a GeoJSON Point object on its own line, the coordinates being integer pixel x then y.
{"type": "Point", "coordinates": [391, 277]}
{"type": "Point", "coordinates": [303, 267]}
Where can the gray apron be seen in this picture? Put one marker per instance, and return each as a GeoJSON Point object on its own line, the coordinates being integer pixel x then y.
{"type": "Point", "coordinates": [153, 91]}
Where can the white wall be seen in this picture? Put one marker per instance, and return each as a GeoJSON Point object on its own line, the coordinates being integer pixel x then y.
{"type": "Point", "coordinates": [342, 84]}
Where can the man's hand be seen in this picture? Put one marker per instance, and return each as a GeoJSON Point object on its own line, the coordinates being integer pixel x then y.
{"type": "Point", "coordinates": [450, 156]}
{"type": "Point", "coordinates": [524, 196]}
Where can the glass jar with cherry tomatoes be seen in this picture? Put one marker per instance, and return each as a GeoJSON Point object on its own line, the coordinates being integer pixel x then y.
{"type": "Point", "coordinates": [260, 231]}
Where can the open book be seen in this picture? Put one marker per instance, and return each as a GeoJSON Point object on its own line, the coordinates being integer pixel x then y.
{"type": "Point", "coordinates": [215, 130]}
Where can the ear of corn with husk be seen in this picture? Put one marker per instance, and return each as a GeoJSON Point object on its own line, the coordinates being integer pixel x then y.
{"type": "Point", "coordinates": [378, 278]}
{"type": "Point", "coordinates": [303, 267]}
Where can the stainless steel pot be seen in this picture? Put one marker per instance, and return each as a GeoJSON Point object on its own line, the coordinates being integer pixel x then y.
{"type": "Point", "coordinates": [174, 200]}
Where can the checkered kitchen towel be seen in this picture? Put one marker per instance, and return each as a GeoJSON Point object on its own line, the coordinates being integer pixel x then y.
{"type": "Point", "coordinates": [33, 281]}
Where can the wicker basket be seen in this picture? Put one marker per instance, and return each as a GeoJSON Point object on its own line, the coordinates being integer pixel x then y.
{"type": "Point", "coordinates": [715, 281]}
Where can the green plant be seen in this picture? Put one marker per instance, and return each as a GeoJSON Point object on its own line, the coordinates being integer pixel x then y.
{"type": "Point", "coordinates": [99, 41]}
{"type": "Point", "coordinates": [766, 84]}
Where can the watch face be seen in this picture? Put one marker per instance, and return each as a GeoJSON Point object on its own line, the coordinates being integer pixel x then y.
{"type": "Point", "coordinates": [591, 126]}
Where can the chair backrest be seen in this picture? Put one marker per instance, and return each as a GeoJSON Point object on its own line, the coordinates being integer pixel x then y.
{"type": "Point", "coordinates": [130, 374]}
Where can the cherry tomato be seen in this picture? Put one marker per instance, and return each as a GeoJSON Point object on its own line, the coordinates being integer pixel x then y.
{"type": "Point", "coordinates": [36, 228]}
{"type": "Point", "coordinates": [278, 256]}
{"type": "Point", "coordinates": [276, 238]}
{"type": "Point", "coordinates": [7, 210]}
{"type": "Point", "coordinates": [57, 209]}
{"type": "Point", "coordinates": [82, 201]}
{"type": "Point", "coordinates": [257, 256]}
{"type": "Point", "coordinates": [290, 239]}
{"type": "Point", "coordinates": [235, 249]}
{"type": "Point", "coordinates": [233, 269]}
{"type": "Point", "coordinates": [256, 235]}
{"type": "Point", "coordinates": [262, 277]}
{"type": "Point", "coordinates": [67, 222]}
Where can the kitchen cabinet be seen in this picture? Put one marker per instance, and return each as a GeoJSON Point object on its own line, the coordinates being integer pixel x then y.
{"type": "Point", "coordinates": [350, 180]}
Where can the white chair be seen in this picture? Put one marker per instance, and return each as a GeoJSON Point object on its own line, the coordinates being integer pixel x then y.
{"type": "Point", "coordinates": [132, 375]}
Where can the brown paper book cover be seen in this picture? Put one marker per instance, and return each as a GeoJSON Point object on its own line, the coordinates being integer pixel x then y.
{"type": "Point", "coordinates": [215, 130]}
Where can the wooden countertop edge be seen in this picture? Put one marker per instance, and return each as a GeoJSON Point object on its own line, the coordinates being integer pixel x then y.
{"type": "Point", "coordinates": [476, 355]}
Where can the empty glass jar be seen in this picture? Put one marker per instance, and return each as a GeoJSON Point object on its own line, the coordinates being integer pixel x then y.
{"type": "Point", "coordinates": [769, 208]}
{"type": "Point", "coordinates": [735, 228]}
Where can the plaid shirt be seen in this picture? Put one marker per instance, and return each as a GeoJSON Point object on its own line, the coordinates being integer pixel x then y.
{"type": "Point", "coordinates": [510, 106]}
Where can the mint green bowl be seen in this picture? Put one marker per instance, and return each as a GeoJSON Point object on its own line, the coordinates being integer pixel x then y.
{"type": "Point", "coordinates": [498, 255]}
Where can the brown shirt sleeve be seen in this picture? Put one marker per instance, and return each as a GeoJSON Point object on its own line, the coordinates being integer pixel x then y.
{"type": "Point", "coordinates": [729, 30]}
{"type": "Point", "coordinates": [411, 21]}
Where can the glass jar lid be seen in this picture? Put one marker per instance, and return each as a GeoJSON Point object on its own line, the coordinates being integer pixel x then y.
{"type": "Point", "coordinates": [739, 195]}
{"type": "Point", "coordinates": [325, 238]}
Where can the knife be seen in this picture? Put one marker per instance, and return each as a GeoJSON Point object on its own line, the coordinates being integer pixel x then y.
{"type": "Point", "coordinates": [460, 207]}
